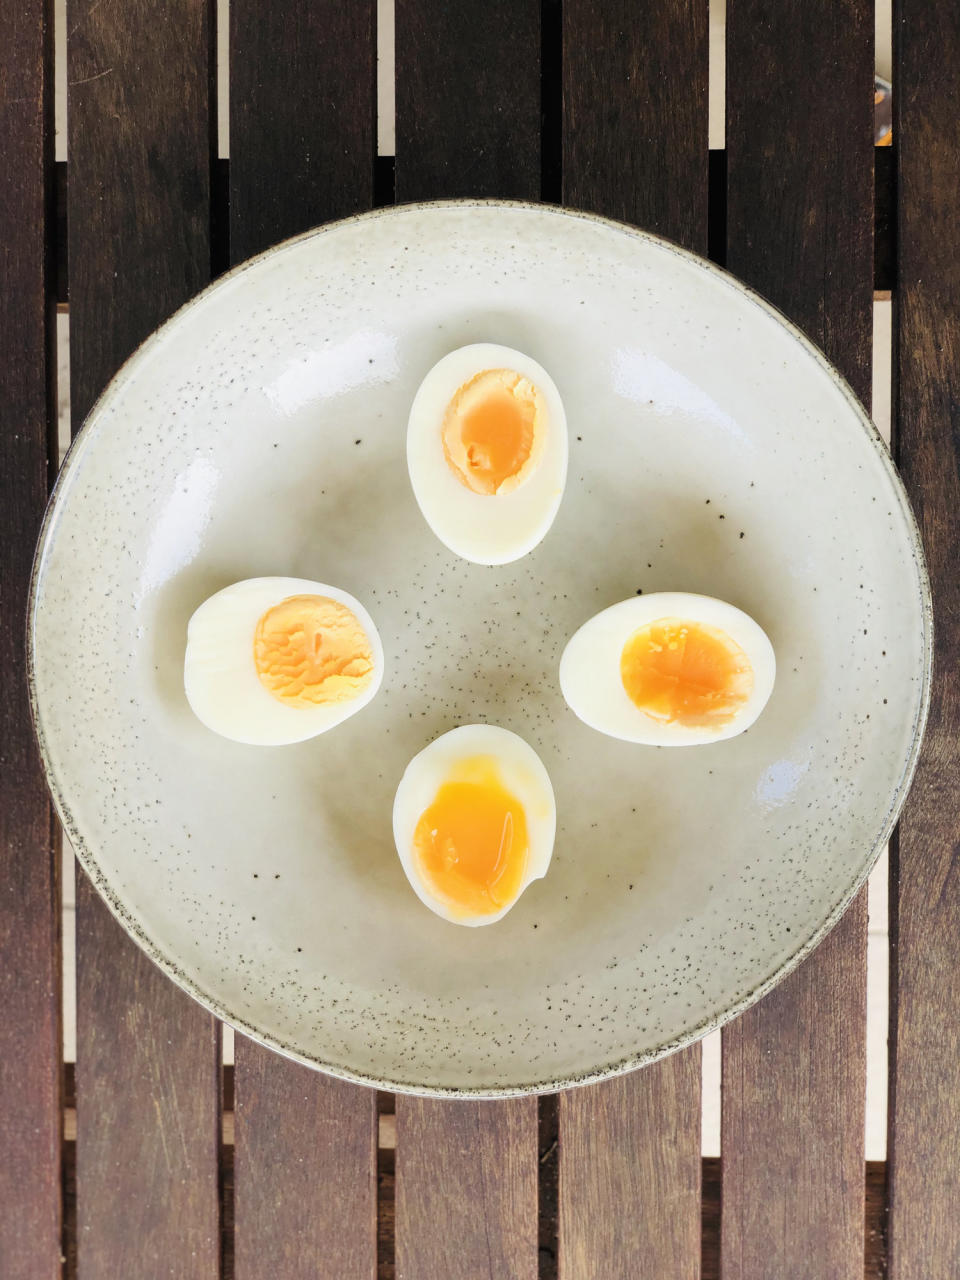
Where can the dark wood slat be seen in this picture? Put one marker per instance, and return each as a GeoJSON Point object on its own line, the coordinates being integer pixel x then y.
{"type": "Point", "coordinates": [302, 144]}
{"type": "Point", "coordinates": [140, 126]}
{"type": "Point", "coordinates": [800, 216]}
{"type": "Point", "coordinates": [148, 1111]}
{"type": "Point", "coordinates": [630, 1174]}
{"type": "Point", "coordinates": [924, 1129]}
{"type": "Point", "coordinates": [305, 1176]}
{"type": "Point", "coordinates": [302, 116]}
{"type": "Point", "coordinates": [635, 113]}
{"type": "Point", "coordinates": [29, 861]}
{"type": "Point", "coordinates": [468, 99]}
{"type": "Point", "coordinates": [800, 229]}
{"type": "Point", "coordinates": [635, 148]}
{"type": "Point", "coordinates": [466, 1189]}
{"type": "Point", "coordinates": [793, 1106]}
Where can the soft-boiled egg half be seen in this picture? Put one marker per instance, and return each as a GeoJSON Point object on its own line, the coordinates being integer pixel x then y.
{"type": "Point", "coordinates": [487, 452]}
{"type": "Point", "coordinates": [474, 821]}
{"type": "Point", "coordinates": [278, 660]}
{"type": "Point", "coordinates": [670, 669]}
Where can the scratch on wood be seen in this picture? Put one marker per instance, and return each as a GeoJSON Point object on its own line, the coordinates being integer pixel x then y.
{"type": "Point", "coordinates": [90, 79]}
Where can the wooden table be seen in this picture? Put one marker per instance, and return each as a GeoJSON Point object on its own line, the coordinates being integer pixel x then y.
{"type": "Point", "coordinates": [179, 1169]}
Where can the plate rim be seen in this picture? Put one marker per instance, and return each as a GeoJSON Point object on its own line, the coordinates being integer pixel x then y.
{"type": "Point", "coordinates": [124, 916]}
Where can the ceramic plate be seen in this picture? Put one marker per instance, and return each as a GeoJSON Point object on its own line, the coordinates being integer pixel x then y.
{"type": "Point", "coordinates": [262, 431]}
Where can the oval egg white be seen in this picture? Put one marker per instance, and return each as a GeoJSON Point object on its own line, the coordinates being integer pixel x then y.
{"type": "Point", "coordinates": [591, 682]}
{"type": "Point", "coordinates": [486, 529]}
{"type": "Point", "coordinates": [522, 773]}
{"type": "Point", "coordinates": [220, 675]}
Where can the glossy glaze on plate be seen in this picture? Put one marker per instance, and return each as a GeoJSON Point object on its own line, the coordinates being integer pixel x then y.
{"type": "Point", "coordinates": [712, 450]}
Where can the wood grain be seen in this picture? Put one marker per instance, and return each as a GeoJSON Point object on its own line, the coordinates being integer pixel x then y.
{"type": "Point", "coordinates": [302, 116]}
{"type": "Point", "coordinates": [466, 1192]}
{"type": "Point", "coordinates": [635, 113]}
{"type": "Point", "coordinates": [305, 1181]}
{"type": "Point", "coordinates": [635, 147]}
{"type": "Point", "coordinates": [800, 205]}
{"type": "Point", "coordinates": [630, 1175]}
{"type": "Point", "coordinates": [302, 144]}
{"type": "Point", "coordinates": [924, 1136]}
{"type": "Point", "coordinates": [139, 210]}
{"type": "Point", "coordinates": [29, 861]}
{"type": "Point", "coordinates": [468, 99]}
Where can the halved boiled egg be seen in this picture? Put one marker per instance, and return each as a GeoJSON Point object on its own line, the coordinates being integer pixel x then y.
{"type": "Point", "coordinates": [474, 821]}
{"type": "Point", "coordinates": [487, 452]}
{"type": "Point", "coordinates": [670, 669]}
{"type": "Point", "coordinates": [278, 660]}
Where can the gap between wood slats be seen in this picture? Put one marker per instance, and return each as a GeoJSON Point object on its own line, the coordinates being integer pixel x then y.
{"type": "Point", "coordinates": [885, 240]}
{"type": "Point", "coordinates": [874, 1216]}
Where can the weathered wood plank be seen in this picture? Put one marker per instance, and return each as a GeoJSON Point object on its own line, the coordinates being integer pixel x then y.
{"type": "Point", "coordinates": [302, 117]}
{"type": "Point", "coordinates": [635, 147]}
{"type": "Point", "coordinates": [924, 1134]}
{"type": "Point", "coordinates": [800, 229]}
{"type": "Point", "coordinates": [466, 1189]}
{"type": "Point", "coordinates": [635, 113]}
{"type": "Point", "coordinates": [29, 860]}
{"type": "Point", "coordinates": [302, 145]}
{"type": "Point", "coordinates": [630, 1174]}
{"type": "Point", "coordinates": [305, 1183]}
{"type": "Point", "coordinates": [468, 99]}
{"type": "Point", "coordinates": [147, 1056]}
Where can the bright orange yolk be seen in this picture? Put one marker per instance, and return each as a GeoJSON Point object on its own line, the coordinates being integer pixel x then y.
{"type": "Point", "coordinates": [470, 844]}
{"type": "Point", "coordinates": [311, 650]}
{"type": "Point", "coordinates": [493, 431]}
{"type": "Point", "coordinates": [686, 673]}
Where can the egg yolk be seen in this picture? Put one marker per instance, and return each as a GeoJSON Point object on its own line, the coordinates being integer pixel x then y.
{"type": "Point", "coordinates": [686, 673]}
{"type": "Point", "coordinates": [311, 650]}
{"type": "Point", "coordinates": [470, 844]}
{"type": "Point", "coordinates": [493, 431]}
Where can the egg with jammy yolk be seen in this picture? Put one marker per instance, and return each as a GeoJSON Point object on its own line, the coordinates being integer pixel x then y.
{"type": "Point", "coordinates": [487, 452]}
{"type": "Point", "coordinates": [669, 669]}
{"type": "Point", "coordinates": [279, 660]}
{"type": "Point", "coordinates": [474, 822]}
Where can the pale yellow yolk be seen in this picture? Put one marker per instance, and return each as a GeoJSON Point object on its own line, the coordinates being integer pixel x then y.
{"type": "Point", "coordinates": [686, 673]}
{"type": "Point", "coordinates": [470, 844]}
{"type": "Point", "coordinates": [493, 431]}
{"type": "Point", "coordinates": [311, 650]}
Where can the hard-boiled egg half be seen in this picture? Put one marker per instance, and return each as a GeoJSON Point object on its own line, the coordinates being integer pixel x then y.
{"type": "Point", "coordinates": [670, 669]}
{"type": "Point", "coordinates": [278, 660]}
{"type": "Point", "coordinates": [487, 452]}
{"type": "Point", "coordinates": [474, 820]}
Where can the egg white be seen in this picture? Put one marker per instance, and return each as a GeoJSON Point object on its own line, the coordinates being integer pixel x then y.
{"type": "Point", "coordinates": [590, 668]}
{"type": "Point", "coordinates": [522, 772]}
{"type": "Point", "coordinates": [484, 528]}
{"type": "Point", "coordinates": [220, 675]}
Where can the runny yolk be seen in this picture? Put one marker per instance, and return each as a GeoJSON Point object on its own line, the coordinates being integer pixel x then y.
{"type": "Point", "coordinates": [493, 431]}
{"type": "Point", "coordinates": [686, 673]}
{"type": "Point", "coordinates": [311, 650]}
{"type": "Point", "coordinates": [470, 844]}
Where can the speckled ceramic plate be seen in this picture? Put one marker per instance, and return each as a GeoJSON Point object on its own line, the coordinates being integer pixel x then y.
{"type": "Point", "coordinates": [712, 449]}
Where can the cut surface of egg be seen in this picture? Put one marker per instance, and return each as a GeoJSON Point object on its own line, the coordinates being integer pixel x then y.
{"type": "Point", "coordinates": [474, 822]}
{"type": "Point", "coordinates": [669, 669]}
{"type": "Point", "coordinates": [487, 452]}
{"type": "Point", "coordinates": [278, 660]}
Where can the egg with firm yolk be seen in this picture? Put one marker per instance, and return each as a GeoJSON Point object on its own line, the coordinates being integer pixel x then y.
{"type": "Point", "coordinates": [669, 669]}
{"type": "Point", "coordinates": [278, 660]}
{"type": "Point", "coordinates": [474, 822]}
{"type": "Point", "coordinates": [487, 452]}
